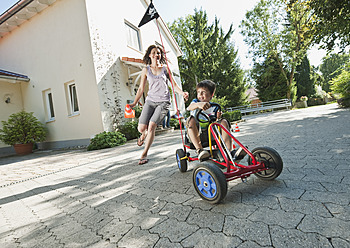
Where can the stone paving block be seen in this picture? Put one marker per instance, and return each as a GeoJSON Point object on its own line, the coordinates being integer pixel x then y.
{"type": "Point", "coordinates": [138, 238]}
{"type": "Point", "coordinates": [207, 238]}
{"type": "Point", "coordinates": [276, 217]}
{"type": "Point", "coordinates": [175, 230]}
{"type": "Point", "coordinates": [238, 210]}
{"type": "Point", "coordinates": [83, 238]}
{"type": "Point", "coordinates": [336, 187]}
{"type": "Point", "coordinates": [114, 230]}
{"type": "Point", "coordinates": [250, 244]}
{"type": "Point", "coordinates": [340, 212]}
{"type": "Point", "coordinates": [327, 197]}
{"type": "Point", "coordinates": [283, 192]}
{"type": "Point", "coordinates": [305, 207]}
{"type": "Point", "coordinates": [297, 184]}
{"type": "Point", "coordinates": [261, 200]}
{"type": "Point", "coordinates": [328, 227]}
{"type": "Point", "coordinates": [292, 238]}
{"type": "Point", "coordinates": [247, 230]}
{"type": "Point", "coordinates": [123, 212]}
{"type": "Point", "coordinates": [212, 220]}
{"type": "Point", "coordinates": [165, 243]}
{"type": "Point", "coordinates": [338, 242]}
{"type": "Point", "coordinates": [176, 211]}
{"type": "Point", "coordinates": [146, 221]}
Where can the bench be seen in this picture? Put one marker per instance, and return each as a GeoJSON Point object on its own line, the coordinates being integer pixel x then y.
{"type": "Point", "coordinates": [261, 106]}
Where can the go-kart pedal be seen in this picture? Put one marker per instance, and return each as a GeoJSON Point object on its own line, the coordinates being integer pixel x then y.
{"type": "Point", "coordinates": [203, 154]}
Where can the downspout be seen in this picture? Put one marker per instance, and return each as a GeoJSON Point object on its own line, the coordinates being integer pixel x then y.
{"type": "Point", "coordinates": [14, 9]}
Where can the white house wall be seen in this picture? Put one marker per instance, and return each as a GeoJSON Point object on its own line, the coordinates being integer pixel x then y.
{"type": "Point", "coordinates": [54, 48]}
{"type": "Point", "coordinates": [109, 44]}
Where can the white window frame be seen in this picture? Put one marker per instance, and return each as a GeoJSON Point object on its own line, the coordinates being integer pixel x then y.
{"type": "Point", "coordinates": [72, 98]}
{"type": "Point", "coordinates": [49, 106]}
{"type": "Point", "coordinates": [133, 36]}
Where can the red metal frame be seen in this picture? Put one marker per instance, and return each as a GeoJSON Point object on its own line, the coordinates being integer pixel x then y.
{"type": "Point", "coordinates": [234, 170]}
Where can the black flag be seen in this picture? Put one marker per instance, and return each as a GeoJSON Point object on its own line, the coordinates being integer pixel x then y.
{"type": "Point", "coordinates": [150, 14]}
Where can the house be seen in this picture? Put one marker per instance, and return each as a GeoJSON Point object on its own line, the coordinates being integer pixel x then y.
{"type": "Point", "coordinates": [76, 64]}
{"type": "Point", "coordinates": [252, 96]}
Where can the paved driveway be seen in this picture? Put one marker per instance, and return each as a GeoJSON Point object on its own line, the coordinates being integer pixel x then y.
{"type": "Point", "coordinates": [104, 199]}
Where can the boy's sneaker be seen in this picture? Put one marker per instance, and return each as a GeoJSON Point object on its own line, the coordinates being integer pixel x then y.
{"type": "Point", "coordinates": [203, 154]}
{"type": "Point", "coordinates": [239, 154]}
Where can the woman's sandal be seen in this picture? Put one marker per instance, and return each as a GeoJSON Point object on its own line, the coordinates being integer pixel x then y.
{"type": "Point", "coordinates": [140, 141]}
{"type": "Point", "coordinates": [143, 161]}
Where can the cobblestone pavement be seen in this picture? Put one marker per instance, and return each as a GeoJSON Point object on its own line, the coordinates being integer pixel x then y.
{"type": "Point", "coordinates": [104, 199]}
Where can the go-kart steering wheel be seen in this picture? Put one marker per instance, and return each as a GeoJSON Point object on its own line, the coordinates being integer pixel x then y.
{"type": "Point", "coordinates": [208, 118]}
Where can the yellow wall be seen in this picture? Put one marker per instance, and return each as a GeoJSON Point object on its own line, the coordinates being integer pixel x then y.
{"type": "Point", "coordinates": [53, 48]}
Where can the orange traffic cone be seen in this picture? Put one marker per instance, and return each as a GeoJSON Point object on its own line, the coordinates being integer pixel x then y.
{"type": "Point", "coordinates": [129, 113]}
{"type": "Point", "coordinates": [237, 128]}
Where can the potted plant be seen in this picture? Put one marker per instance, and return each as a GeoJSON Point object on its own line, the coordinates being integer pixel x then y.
{"type": "Point", "coordinates": [22, 130]}
{"type": "Point", "coordinates": [304, 100]}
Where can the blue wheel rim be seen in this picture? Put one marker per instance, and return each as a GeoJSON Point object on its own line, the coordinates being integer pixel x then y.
{"type": "Point", "coordinates": [178, 161]}
{"type": "Point", "coordinates": [206, 184]}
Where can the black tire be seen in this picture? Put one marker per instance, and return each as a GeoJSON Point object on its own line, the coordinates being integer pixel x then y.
{"type": "Point", "coordinates": [272, 161]}
{"type": "Point", "coordinates": [181, 163]}
{"type": "Point", "coordinates": [209, 182]}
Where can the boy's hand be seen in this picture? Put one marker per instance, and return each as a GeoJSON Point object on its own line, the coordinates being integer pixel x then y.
{"type": "Point", "coordinates": [186, 96]}
{"type": "Point", "coordinates": [203, 105]}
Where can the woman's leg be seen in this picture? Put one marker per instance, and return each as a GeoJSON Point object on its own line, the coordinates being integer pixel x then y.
{"type": "Point", "coordinates": [150, 138]}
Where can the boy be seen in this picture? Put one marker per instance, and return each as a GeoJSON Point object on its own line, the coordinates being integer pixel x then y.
{"type": "Point", "coordinates": [205, 92]}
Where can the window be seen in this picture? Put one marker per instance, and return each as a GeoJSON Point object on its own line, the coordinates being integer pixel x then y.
{"type": "Point", "coordinates": [48, 103]}
{"type": "Point", "coordinates": [133, 36]}
{"type": "Point", "coordinates": [72, 99]}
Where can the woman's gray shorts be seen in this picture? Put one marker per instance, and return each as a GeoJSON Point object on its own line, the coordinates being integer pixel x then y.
{"type": "Point", "coordinates": [154, 111]}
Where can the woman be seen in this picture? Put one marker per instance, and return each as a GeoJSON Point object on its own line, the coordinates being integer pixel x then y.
{"type": "Point", "coordinates": [158, 98]}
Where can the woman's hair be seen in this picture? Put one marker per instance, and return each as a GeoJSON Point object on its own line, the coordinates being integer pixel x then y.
{"type": "Point", "coordinates": [147, 59]}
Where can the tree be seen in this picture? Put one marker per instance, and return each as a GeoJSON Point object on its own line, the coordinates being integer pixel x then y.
{"type": "Point", "coordinates": [208, 54]}
{"type": "Point", "coordinates": [331, 67]}
{"type": "Point", "coordinates": [304, 79]}
{"type": "Point", "coordinates": [269, 81]}
{"type": "Point", "coordinates": [341, 86]}
{"type": "Point", "coordinates": [332, 22]}
{"type": "Point", "coordinates": [280, 29]}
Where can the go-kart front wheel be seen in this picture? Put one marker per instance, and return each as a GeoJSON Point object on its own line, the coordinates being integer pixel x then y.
{"type": "Point", "coordinates": [210, 182]}
{"type": "Point", "coordinates": [272, 161]}
{"type": "Point", "coordinates": [181, 160]}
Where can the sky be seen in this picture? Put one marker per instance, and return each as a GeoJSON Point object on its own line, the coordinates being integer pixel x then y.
{"type": "Point", "coordinates": [227, 11]}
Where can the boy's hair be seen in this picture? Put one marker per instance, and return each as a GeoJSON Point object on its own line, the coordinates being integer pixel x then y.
{"type": "Point", "coordinates": [207, 84]}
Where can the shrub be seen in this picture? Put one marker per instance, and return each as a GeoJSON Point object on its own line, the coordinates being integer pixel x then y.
{"type": "Point", "coordinates": [22, 128]}
{"type": "Point", "coordinates": [106, 140]}
{"type": "Point", "coordinates": [175, 123]}
{"type": "Point", "coordinates": [233, 115]}
{"type": "Point", "coordinates": [129, 129]}
{"type": "Point", "coordinates": [341, 85]}
{"type": "Point", "coordinates": [138, 111]}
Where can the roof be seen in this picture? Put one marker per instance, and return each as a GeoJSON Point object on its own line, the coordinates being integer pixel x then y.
{"type": "Point", "coordinates": [252, 94]}
{"type": "Point", "coordinates": [12, 75]}
{"type": "Point", "coordinates": [20, 12]}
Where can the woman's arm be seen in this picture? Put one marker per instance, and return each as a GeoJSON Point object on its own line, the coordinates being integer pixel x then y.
{"type": "Point", "coordinates": [141, 87]}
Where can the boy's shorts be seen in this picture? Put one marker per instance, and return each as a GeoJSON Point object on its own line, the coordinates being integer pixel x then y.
{"type": "Point", "coordinates": [154, 111]}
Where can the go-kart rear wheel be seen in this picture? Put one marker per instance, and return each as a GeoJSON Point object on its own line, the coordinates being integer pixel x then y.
{"type": "Point", "coordinates": [210, 182]}
{"type": "Point", "coordinates": [272, 161]}
{"type": "Point", "coordinates": [181, 162]}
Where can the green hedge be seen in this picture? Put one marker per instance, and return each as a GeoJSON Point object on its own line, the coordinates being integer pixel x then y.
{"type": "Point", "coordinates": [106, 140]}
{"type": "Point", "coordinates": [129, 129]}
{"type": "Point", "coordinates": [232, 116]}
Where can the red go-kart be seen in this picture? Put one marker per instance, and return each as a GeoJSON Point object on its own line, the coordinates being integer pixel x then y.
{"type": "Point", "coordinates": [210, 177]}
